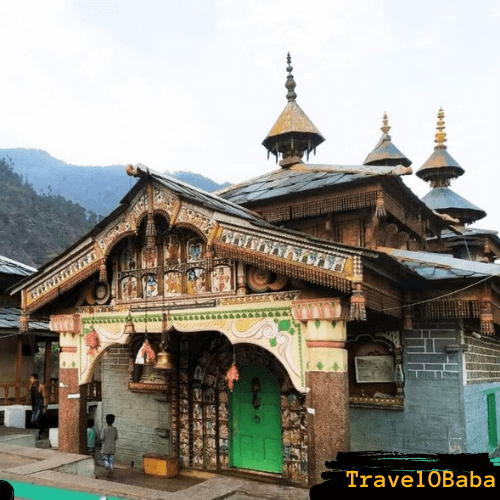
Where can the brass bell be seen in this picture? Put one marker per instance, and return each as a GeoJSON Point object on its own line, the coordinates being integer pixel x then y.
{"type": "Point", "coordinates": [129, 325]}
{"type": "Point", "coordinates": [164, 361]}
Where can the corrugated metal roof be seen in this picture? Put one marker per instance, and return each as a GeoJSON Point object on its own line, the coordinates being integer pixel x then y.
{"type": "Point", "coordinates": [9, 266]}
{"type": "Point", "coordinates": [9, 320]}
{"type": "Point", "coordinates": [436, 266]}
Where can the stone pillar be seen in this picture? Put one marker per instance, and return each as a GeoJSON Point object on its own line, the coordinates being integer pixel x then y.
{"type": "Point", "coordinates": [72, 396]}
{"type": "Point", "coordinates": [72, 412]}
{"type": "Point", "coordinates": [326, 380]}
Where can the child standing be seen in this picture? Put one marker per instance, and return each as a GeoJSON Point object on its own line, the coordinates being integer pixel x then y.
{"type": "Point", "coordinates": [91, 437]}
{"type": "Point", "coordinates": [109, 436]}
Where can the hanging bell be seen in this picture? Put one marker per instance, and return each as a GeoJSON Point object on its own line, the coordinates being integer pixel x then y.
{"type": "Point", "coordinates": [164, 361]}
{"type": "Point", "coordinates": [129, 326]}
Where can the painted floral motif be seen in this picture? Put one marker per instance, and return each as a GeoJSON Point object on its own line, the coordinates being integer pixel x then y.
{"type": "Point", "coordinates": [203, 222]}
{"type": "Point", "coordinates": [92, 341]}
{"type": "Point", "coordinates": [120, 226]}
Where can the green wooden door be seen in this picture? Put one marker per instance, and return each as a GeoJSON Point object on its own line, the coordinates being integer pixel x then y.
{"type": "Point", "coordinates": [492, 422]}
{"type": "Point", "coordinates": [256, 421]}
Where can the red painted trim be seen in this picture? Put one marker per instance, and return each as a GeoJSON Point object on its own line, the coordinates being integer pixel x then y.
{"type": "Point", "coordinates": [69, 349]}
{"type": "Point", "coordinates": [325, 343]}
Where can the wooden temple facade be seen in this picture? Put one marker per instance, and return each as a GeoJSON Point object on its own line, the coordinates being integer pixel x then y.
{"type": "Point", "coordinates": [281, 321]}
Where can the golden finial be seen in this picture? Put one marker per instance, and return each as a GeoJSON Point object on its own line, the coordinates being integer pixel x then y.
{"type": "Point", "coordinates": [385, 129]}
{"type": "Point", "coordinates": [440, 134]}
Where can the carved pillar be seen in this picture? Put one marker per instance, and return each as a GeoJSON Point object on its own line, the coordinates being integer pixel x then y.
{"type": "Point", "coordinates": [72, 396]}
{"type": "Point", "coordinates": [326, 379]}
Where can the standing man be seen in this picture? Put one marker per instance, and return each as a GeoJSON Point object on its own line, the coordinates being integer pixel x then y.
{"type": "Point", "coordinates": [39, 402]}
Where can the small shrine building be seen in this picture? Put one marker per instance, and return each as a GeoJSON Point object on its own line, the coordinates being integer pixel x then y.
{"type": "Point", "coordinates": [284, 319]}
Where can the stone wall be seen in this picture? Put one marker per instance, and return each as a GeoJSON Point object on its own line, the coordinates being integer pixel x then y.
{"type": "Point", "coordinates": [137, 415]}
{"type": "Point", "coordinates": [482, 377]}
{"type": "Point", "coordinates": [433, 417]}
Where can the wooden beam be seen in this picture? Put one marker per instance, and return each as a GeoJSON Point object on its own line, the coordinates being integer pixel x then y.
{"type": "Point", "coordinates": [48, 362]}
{"type": "Point", "coordinates": [19, 367]}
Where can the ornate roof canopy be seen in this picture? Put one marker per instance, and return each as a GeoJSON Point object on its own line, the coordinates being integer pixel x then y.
{"type": "Point", "coordinates": [293, 134]}
{"type": "Point", "coordinates": [440, 168]}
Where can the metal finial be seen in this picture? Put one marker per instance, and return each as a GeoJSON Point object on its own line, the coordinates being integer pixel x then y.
{"type": "Point", "coordinates": [385, 128]}
{"type": "Point", "coordinates": [290, 83]}
{"type": "Point", "coordinates": [440, 134]}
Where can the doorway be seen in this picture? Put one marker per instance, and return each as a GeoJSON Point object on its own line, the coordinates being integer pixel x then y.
{"type": "Point", "coordinates": [255, 421]}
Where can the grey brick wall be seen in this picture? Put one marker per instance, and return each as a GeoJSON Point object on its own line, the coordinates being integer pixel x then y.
{"type": "Point", "coordinates": [424, 351]}
{"type": "Point", "coordinates": [137, 415]}
{"type": "Point", "coordinates": [433, 418]}
{"type": "Point", "coordinates": [482, 360]}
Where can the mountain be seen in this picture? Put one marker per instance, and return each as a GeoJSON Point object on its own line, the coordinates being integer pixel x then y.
{"type": "Point", "coordinates": [97, 189]}
{"type": "Point", "coordinates": [35, 228]}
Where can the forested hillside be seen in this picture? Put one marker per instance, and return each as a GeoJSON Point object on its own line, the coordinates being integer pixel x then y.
{"type": "Point", "coordinates": [46, 204]}
{"type": "Point", "coordinates": [35, 228]}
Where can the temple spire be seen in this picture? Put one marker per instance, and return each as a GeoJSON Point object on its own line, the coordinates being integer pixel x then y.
{"type": "Point", "coordinates": [385, 127]}
{"type": "Point", "coordinates": [290, 82]}
{"type": "Point", "coordinates": [439, 170]}
{"type": "Point", "coordinates": [293, 134]}
{"type": "Point", "coordinates": [440, 134]}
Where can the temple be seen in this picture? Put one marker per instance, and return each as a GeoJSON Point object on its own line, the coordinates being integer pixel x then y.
{"type": "Point", "coordinates": [312, 310]}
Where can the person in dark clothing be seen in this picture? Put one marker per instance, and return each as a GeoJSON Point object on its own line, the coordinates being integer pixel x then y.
{"type": "Point", "coordinates": [39, 401]}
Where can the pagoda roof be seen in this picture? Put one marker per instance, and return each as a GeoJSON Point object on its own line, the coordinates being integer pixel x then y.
{"type": "Point", "coordinates": [386, 153]}
{"type": "Point", "coordinates": [293, 119]}
{"type": "Point", "coordinates": [440, 163]}
{"type": "Point", "coordinates": [444, 200]}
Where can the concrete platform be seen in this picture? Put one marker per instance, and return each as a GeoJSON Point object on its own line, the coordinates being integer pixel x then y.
{"type": "Point", "coordinates": [79, 473]}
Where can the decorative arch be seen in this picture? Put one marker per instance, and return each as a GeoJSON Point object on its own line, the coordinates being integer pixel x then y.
{"type": "Point", "coordinates": [200, 412]}
{"type": "Point", "coordinates": [191, 227]}
{"type": "Point", "coordinates": [267, 325]}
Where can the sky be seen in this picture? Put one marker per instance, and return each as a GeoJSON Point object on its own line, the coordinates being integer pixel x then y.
{"type": "Point", "coordinates": [197, 85]}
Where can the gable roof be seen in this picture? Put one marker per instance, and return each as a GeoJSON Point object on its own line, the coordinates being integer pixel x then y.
{"type": "Point", "coordinates": [233, 231]}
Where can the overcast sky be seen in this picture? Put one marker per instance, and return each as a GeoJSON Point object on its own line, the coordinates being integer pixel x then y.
{"type": "Point", "coordinates": [197, 85]}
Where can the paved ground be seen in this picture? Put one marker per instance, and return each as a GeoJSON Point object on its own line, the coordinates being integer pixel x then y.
{"type": "Point", "coordinates": [49, 467]}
